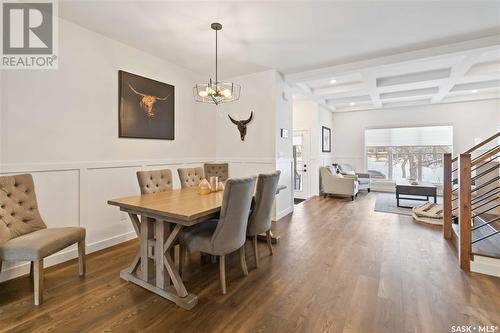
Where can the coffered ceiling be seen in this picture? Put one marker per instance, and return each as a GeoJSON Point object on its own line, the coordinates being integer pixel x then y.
{"type": "Point", "coordinates": [450, 73]}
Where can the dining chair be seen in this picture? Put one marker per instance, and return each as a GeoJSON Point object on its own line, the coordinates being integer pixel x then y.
{"type": "Point", "coordinates": [154, 181]}
{"type": "Point", "coordinates": [259, 221]}
{"type": "Point", "coordinates": [23, 234]}
{"type": "Point", "coordinates": [190, 177]}
{"type": "Point", "coordinates": [229, 233]}
{"type": "Point", "coordinates": [220, 170]}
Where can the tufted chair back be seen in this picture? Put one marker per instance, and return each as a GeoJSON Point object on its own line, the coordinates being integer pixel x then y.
{"type": "Point", "coordinates": [220, 170]}
{"type": "Point", "coordinates": [19, 213]}
{"type": "Point", "coordinates": [190, 177]}
{"type": "Point", "coordinates": [260, 219]}
{"type": "Point", "coordinates": [155, 181]}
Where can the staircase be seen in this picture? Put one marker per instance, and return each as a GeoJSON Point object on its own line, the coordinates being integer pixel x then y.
{"type": "Point", "coordinates": [471, 203]}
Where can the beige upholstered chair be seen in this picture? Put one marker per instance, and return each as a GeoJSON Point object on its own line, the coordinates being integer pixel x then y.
{"type": "Point", "coordinates": [190, 177]}
{"type": "Point", "coordinates": [23, 234]}
{"type": "Point", "coordinates": [337, 184]}
{"type": "Point", "coordinates": [228, 234]}
{"type": "Point", "coordinates": [220, 170]}
{"type": "Point", "coordinates": [155, 181]}
{"type": "Point", "coordinates": [260, 219]}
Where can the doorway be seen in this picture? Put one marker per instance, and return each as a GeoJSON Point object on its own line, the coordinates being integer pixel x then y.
{"type": "Point", "coordinates": [301, 179]}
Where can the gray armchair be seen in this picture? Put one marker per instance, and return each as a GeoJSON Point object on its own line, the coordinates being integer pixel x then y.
{"type": "Point", "coordinates": [363, 178]}
{"type": "Point", "coordinates": [261, 217]}
{"type": "Point", "coordinates": [337, 184]}
{"type": "Point", "coordinates": [229, 233]}
{"type": "Point", "coordinates": [23, 234]}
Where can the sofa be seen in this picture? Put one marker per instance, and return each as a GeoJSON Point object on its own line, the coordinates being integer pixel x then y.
{"type": "Point", "coordinates": [364, 180]}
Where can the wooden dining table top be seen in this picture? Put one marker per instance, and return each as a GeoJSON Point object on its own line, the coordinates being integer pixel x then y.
{"type": "Point", "coordinates": [183, 205]}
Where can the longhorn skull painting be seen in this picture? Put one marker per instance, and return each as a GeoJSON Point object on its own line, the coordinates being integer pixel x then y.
{"type": "Point", "coordinates": [147, 102]}
{"type": "Point", "coordinates": [242, 125]}
{"type": "Point", "coordinates": [146, 108]}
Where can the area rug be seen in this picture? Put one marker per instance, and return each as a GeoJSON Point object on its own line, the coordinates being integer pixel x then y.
{"type": "Point", "coordinates": [386, 203]}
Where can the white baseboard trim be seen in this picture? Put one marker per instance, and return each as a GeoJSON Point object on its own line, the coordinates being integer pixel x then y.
{"type": "Point", "coordinates": [485, 265]}
{"type": "Point", "coordinates": [65, 255]}
{"type": "Point", "coordinates": [284, 213]}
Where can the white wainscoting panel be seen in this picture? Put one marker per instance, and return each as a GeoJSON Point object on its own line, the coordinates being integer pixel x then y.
{"type": "Point", "coordinates": [76, 194]}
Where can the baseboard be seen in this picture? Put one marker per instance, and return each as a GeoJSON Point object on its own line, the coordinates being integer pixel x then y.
{"type": "Point", "coordinates": [65, 255]}
{"type": "Point", "coordinates": [485, 265]}
{"type": "Point", "coordinates": [284, 213]}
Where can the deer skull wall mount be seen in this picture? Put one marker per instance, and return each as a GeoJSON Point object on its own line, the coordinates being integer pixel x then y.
{"type": "Point", "coordinates": [242, 125]}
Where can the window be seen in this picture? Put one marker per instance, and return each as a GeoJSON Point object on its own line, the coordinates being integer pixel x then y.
{"type": "Point", "coordinates": [408, 153]}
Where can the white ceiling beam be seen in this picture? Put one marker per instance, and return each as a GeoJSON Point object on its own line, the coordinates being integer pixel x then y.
{"type": "Point", "coordinates": [371, 87]}
{"type": "Point", "coordinates": [486, 44]}
{"type": "Point", "coordinates": [337, 89]}
{"type": "Point", "coordinates": [457, 72]}
{"type": "Point", "coordinates": [307, 91]}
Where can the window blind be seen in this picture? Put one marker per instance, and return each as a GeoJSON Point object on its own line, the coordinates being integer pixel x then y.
{"type": "Point", "coordinates": [410, 136]}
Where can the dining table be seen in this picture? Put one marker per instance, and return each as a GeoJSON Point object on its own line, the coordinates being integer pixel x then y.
{"type": "Point", "coordinates": [158, 220]}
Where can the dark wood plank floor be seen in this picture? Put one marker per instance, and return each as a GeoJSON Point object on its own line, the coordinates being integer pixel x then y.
{"type": "Point", "coordinates": [340, 267]}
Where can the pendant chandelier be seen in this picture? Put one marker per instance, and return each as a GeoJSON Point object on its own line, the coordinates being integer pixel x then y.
{"type": "Point", "coordinates": [216, 92]}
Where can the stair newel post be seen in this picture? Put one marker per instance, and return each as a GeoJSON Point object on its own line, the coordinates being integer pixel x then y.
{"type": "Point", "coordinates": [447, 196]}
{"type": "Point", "coordinates": [465, 213]}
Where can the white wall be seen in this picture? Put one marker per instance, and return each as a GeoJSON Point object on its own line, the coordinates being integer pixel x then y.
{"type": "Point", "coordinates": [62, 126]}
{"type": "Point", "coordinates": [262, 93]}
{"type": "Point", "coordinates": [470, 120]}
{"type": "Point", "coordinates": [310, 116]}
{"type": "Point", "coordinates": [284, 152]}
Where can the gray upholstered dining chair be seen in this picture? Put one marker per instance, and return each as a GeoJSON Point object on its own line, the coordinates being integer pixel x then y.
{"type": "Point", "coordinates": [220, 170]}
{"type": "Point", "coordinates": [155, 181]}
{"type": "Point", "coordinates": [228, 234]}
{"type": "Point", "coordinates": [260, 219]}
{"type": "Point", "coordinates": [23, 234]}
{"type": "Point", "coordinates": [190, 177]}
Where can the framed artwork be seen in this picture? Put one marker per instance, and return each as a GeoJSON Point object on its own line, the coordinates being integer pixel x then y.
{"type": "Point", "coordinates": [326, 139]}
{"type": "Point", "coordinates": [146, 108]}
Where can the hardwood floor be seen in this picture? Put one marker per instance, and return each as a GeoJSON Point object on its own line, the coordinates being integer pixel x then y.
{"type": "Point", "coordinates": [339, 267]}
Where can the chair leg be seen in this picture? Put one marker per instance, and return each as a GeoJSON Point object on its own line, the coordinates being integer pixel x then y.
{"type": "Point", "coordinates": [82, 266]}
{"type": "Point", "coordinates": [255, 251]}
{"type": "Point", "coordinates": [38, 281]}
{"type": "Point", "coordinates": [222, 269]}
{"type": "Point", "coordinates": [243, 260]}
{"type": "Point", "coordinates": [31, 270]}
{"type": "Point", "coordinates": [269, 242]}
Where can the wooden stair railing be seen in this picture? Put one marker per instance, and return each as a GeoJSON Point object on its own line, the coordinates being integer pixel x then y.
{"type": "Point", "coordinates": [465, 211]}
{"type": "Point", "coordinates": [457, 196]}
{"type": "Point", "coordinates": [447, 196]}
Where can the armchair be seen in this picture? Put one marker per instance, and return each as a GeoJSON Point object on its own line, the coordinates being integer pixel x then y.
{"type": "Point", "coordinates": [337, 184]}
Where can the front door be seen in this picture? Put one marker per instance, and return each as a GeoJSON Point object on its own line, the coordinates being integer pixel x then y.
{"type": "Point", "coordinates": [301, 164]}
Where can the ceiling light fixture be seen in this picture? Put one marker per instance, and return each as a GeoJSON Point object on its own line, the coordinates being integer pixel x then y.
{"type": "Point", "coordinates": [474, 91]}
{"type": "Point", "coordinates": [333, 81]}
{"type": "Point", "coordinates": [216, 92]}
{"type": "Point", "coordinates": [352, 104]}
